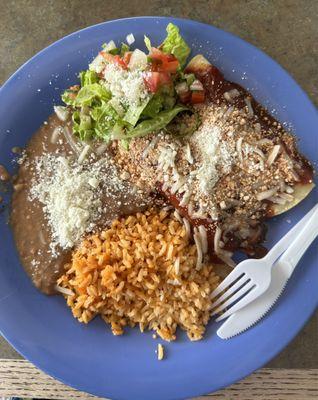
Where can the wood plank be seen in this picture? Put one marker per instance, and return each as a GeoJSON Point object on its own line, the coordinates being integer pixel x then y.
{"type": "Point", "coordinates": [20, 378]}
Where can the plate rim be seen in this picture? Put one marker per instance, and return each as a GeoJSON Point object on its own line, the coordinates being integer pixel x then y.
{"type": "Point", "coordinates": [6, 86]}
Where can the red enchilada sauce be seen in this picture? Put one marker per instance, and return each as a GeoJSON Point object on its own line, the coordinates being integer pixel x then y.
{"type": "Point", "coordinates": [216, 90]}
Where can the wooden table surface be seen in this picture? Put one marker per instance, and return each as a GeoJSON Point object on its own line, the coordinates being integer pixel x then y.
{"type": "Point", "coordinates": [288, 31]}
{"type": "Point", "coordinates": [21, 378]}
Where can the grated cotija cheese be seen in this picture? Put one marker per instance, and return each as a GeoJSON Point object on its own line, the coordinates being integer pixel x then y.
{"type": "Point", "coordinates": [214, 156]}
{"type": "Point", "coordinates": [70, 196]}
{"type": "Point", "coordinates": [128, 87]}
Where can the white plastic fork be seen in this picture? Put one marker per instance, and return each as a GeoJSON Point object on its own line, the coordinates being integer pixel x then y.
{"type": "Point", "coordinates": [252, 277]}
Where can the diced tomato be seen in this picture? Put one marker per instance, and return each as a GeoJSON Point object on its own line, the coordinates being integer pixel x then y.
{"type": "Point", "coordinates": [119, 61]}
{"type": "Point", "coordinates": [163, 62]}
{"type": "Point", "coordinates": [160, 55]}
{"type": "Point", "coordinates": [152, 80]}
{"type": "Point", "coordinates": [198, 96]}
{"type": "Point", "coordinates": [164, 78]}
{"type": "Point", "coordinates": [127, 56]}
{"type": "Point", "coordinates": [171, 66]}
{"type": "Point", "coordinates": [185, 97]}
{"type": "Point", "coordinates": [114, 59]}
{"type": "Point", "coordinates": [108, 57]}
{"type": "Point", "coordinates": [157, 54]}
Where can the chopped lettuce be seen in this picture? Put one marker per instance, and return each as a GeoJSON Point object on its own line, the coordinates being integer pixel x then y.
{"type": "Point", "coordinates": [124, 48]}
{"type": "Point", "coordinates": [110, 46]}
{"type": "Point", "coordinates": [154, 106]}
{"type": "Point", "coordinates": [88, 77]}
{"type": "Point", "coordinates": [125, 144]}
{"type": "Point", "coordinates": [169, 102]}
{"type": "Point", "coordinates": [175, 44]}
{"type": "Point", "coordinates": [98, 114]}
{"type": "Point", "coordinates": [82, 125]}
{"type": "Point", "coordinates": [155, 124]}
{"type": "Point", "coordinates": [90, 93]}
{"type": "Point", "coordinates": [69, 97]}
{"type": "Point", "coordinates": [133, 113]}
{"type": "Point", "coordinates": [184, 125]}
{"type": "Point", "coordinates": [105, 117]}
{"type": "Point", "coordinates": [114, 52]}
{"type": "Point", "coordinates": [147, 42]}
{"type": "Point", "coordinates": [97, 122]}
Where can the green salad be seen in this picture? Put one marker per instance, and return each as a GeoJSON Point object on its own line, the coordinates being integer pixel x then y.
{"type": "Point", "coordinates": [129, 93]}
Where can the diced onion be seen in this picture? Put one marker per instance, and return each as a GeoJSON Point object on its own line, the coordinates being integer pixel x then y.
{"type": "Point", "coordinates": [138, 60]}
{"type": "Point", "coordinates": [130, 39]}
{"type": "Point", "coordinates": [181, 88]}
{"type": "Point", "coordinates": [61, 112]}
{"type": "Point", "coordinates": [196, 85]}
{"type": "Point", "coordinates": [110, 46]}
{"type": "Point", "coordinates": [98, 64]}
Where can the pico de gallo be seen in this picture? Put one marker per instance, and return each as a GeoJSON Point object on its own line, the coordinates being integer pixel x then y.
{"type": "Point", "coordinates": [129, 93]}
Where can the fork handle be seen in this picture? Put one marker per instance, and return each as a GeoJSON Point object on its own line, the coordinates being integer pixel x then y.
{"type": "Point", "coordinates": [286, 240]}
{"type": "Point", "coordinates": [301, 243]}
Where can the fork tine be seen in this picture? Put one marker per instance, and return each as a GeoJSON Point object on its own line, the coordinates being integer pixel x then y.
{"type": "Point", "coordinates": [230, 290]}
{"type": "Point", "coordinates": [235, 296]}
{"type": "Point", "coordinates": [232, 277]}
{"type": "Point", "coordinates": [252, 295]}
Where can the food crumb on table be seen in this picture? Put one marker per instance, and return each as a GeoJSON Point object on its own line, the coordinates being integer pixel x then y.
{"type": "Point", "coordinates": [160, 351]}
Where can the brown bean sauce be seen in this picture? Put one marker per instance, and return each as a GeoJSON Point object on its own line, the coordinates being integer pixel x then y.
{"type": "Point", "coordinates": [31, 231]}
{"type": "Point", "coordinates": [4, 174]}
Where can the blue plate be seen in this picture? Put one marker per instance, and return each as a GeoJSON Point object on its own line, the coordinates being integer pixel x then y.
{"type": "Point", "coordinates": [89, 357]}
